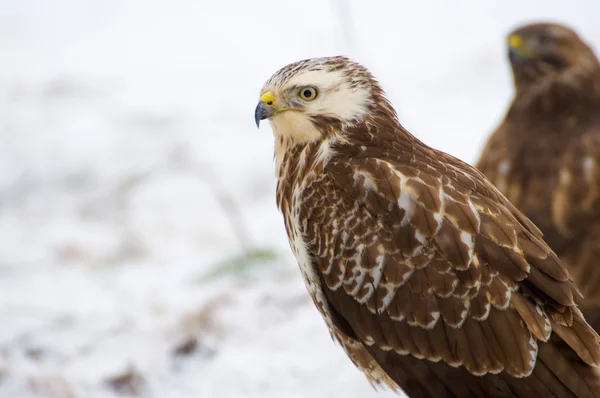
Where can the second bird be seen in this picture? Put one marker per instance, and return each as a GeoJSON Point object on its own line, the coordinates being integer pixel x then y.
{"type": "Point", "coordinates": [545, 155]}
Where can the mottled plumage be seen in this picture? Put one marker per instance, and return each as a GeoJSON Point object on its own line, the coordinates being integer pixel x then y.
{"type": "Point", "coordinates": [545, 154]}
{"type": "Point", "coordinates": [429, 278]}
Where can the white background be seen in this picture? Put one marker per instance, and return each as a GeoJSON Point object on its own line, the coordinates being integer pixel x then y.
{"type": "Point", "coordinates": [124, 124]}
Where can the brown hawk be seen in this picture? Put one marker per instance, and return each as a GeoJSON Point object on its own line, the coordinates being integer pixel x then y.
{"type": "Point", "coordinates": [545, 155]}
{"type": "Point", "coordinates": [430, 279]}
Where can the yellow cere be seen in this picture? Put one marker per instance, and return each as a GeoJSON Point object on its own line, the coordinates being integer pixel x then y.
{"type": "Point", "coordinates": [515, 41]}
{"type": "Point", "coordinates": [268, 98]}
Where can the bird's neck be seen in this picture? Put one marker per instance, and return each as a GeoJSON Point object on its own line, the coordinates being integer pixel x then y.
{"type": "Point", "coordinates": [297, 164]}
{"type": "Point", "coordinates": [577, 88]}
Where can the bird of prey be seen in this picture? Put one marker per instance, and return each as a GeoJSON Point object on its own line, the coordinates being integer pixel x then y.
{"type": "Point", "coordinates": [545, 154]}
{"type": "Point", "coordinates": [429, 278]}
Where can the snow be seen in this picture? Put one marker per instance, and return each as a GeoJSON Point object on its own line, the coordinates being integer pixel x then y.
{"type": "Point", "coordinates": [132, 177]}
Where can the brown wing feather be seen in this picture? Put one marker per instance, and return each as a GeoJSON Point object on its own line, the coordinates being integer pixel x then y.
{"type": "Point", "coordinates": [418, 267]}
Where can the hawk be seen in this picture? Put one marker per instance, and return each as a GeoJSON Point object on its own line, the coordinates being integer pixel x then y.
{"type": "Point", "coordinates": [545, 154]}
{"type": "Point", "coordinates": [429, 278]}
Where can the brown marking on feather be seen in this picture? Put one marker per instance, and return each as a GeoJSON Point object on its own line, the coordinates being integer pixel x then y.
{"type": "Point", "coordinates": [537, 321]}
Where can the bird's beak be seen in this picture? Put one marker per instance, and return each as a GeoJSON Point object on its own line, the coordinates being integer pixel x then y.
{"type": "Point", "coordinates": [265, 108]}
{"type": "Point", "coordinates": [517, 49]}
{"type": "Point", "coordinates": [262, 112]}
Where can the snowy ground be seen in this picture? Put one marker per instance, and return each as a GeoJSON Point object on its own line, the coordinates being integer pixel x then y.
{"type": "Point", "coordinates": [132, 179]}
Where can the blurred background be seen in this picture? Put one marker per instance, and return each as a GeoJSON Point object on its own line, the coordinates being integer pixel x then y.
{"type": "Point", "coordinates": [141, 251]}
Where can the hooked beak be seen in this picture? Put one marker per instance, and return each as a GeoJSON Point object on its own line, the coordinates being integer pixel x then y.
{"type": "Point", "coordinates": [518, 50]}
{"type": "Point", "coordinates": [515, 48]}
{"type": "Point", "coordinates": [514, 55]}
{"type": "Point", "coordinates": [262, 112]}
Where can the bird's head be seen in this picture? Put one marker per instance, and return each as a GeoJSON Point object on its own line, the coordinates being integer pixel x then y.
{"type": "Point", "coordinates": [541, 50]}
{"type": "Point", "coordinates": [313, 98]}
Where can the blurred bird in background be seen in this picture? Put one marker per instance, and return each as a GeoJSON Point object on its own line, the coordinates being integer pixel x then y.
{"type": "Point", "coordinates": [545, 154]}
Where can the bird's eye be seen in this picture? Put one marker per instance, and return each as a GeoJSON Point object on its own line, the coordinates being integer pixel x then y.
{"type": "Point", "coordinates": [307, 93]}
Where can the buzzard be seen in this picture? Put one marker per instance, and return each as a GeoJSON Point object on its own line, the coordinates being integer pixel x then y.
{"type": "Point", "coordinates": [545, 154]}
{"type": "Point", "coordinates": [429, 278]}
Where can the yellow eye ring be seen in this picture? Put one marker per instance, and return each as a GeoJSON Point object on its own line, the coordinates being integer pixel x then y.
{"type": "Point", "coordinates": [307, 93]}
